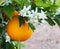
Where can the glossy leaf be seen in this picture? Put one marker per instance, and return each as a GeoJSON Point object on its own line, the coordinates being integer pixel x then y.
{"type": "Point", "coordinates": [21, 20]}
{"type": "Point", "coordinates": [50, 21]}
{"type": "Point", "coordinates": [57, 19]}
{"type": "Point", "coordinates": [9, 10]}
{"type": "Point", "coordinates": [33, 5]}
{"type": "Point", "coordinates": [32, 26]}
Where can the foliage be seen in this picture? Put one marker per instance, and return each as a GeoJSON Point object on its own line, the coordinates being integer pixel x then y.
{"type": "Point", "coordinates": [49, 7]}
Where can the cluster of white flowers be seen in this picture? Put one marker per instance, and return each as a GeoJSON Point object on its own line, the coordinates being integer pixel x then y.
{"type": "Point", "coordinates": [33, 15]}
{"type": "Point", "coordinates": [6, 2]}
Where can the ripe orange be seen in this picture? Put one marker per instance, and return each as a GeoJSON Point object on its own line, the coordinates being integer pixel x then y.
{"type": "Point", "coordinates": [16, 32]}
{"type": "Point", "coordinates": [15, 13]}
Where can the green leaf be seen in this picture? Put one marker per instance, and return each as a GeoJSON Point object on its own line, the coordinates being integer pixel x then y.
{"type": "Point", "coordinates": [50, 14]}
{"type": "Point", "coordinates": [0, 20]}
{"type": "Point", "coordinates": [2, 40]}
{"type": "Point", "coordinates": [24, 2]}
{"type": "Point", "coordinates": [32, 26]}
{"type": "Point", "coordinates": [9, 11]}
{"type": "Point", "coordinates": [47, 1]}
{"type": "Point", "coordinates": [53, 7]}
{"type": "Point", "coordinates": [57, 2]}
{"type": "Point", "coordinates": [9, 45]}
{"type": "Point", "coordinates": [1, 29]}
{"type": "Point", "coordinates": [18, 1]}
{"type": "Point", "coordinates": [57, 19]}
{"type": "Point", "coordinates": [41, 3]}
{"type": "Point", "coordinates": [50, 21]}
{"type": "Point", "coordinates": [33, 5]}
{"type": "Point", "coordinates": [44, 1]}
{"type": "Point", "coordinates": [17, 7]}
{"type": "Point", "coordinates": [3, 43]}
{"type": "Point", "coordinates": [0, 14]}
{"type": "Point", "coordinates": [0, 17]}
{"type": "Point", "coordinates": [21, 20]}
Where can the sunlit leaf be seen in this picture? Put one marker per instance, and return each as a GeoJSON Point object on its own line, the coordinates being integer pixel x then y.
{"type": "Point", "coordinates": [53, 7]}
{"type": "Point", "coordinates": [57, 2]}
{"type": "Point", "coordinates": [43, 3]}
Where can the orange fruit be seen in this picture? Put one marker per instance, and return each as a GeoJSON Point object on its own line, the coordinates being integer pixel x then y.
{"type": "Point", "coordinates": [16, 32]}
{"type": "Point", "coordinates": [15, 13]}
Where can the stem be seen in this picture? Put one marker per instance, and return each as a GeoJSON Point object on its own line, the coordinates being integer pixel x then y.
{"type": "Point", "coordinates": [18, 45]}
